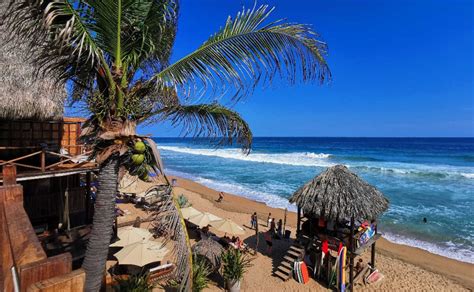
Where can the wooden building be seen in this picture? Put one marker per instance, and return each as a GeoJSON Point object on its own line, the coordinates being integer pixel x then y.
{"type": "Point", "coordinates": [45, 177]}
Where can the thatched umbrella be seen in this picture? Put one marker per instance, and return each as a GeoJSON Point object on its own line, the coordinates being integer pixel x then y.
{"type": "Point", "coordinates": [22, 94]}
{"type": "Point", "coordinates": [209, 250]}
{"type": "Point", "coordinates": [339, 193]}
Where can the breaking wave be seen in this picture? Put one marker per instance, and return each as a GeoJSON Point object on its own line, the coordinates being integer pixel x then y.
{"type": "Point", "coordinates": [295, 158]}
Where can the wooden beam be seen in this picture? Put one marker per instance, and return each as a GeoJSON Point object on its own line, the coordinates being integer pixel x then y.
{"type": "Point", "coordinates": [372, 256]}
{"type": "Point", "coordinates": [298, 220]}
{"type": "Point", "coordinates": [351, 258]}
{"type": "Point", "coordinates": [88, 196]}
{"type": "Point", "coordinates": [9, 175]}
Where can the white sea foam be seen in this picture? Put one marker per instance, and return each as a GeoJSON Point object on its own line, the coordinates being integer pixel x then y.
{"type": "Point", "coordinates": [295, 158]}
{"type": "Point", "coordinates": [322, 160]}
{"type": "Point", "coordinates": [451, 250]}
{"type": "Point", "coordinates": [467, 175]}
{"type": "Point", "coordinates": [420, 170]}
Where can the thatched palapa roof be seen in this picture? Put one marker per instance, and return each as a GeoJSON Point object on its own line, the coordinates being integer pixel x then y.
{"type": "Point", "coordinates": [22, 94]}
{"type": "Point", "coordinates": [338, 193]}
{"type": "Point", "coordinates": [210, 250]}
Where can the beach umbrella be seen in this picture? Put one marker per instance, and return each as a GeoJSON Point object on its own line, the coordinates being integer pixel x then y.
{"type": "Point", "coordinates": [228, 226]}
{"type": "Point", "coordinates": [338, 193]}
{"type": "Point", "coordinates": [203, 219]}
{"type": "Point", "coordinates": [129, 235]}
{"type": "Point", "coordinates": [141, 253]}
{"type": "Point", "coordinates": [189, 212]}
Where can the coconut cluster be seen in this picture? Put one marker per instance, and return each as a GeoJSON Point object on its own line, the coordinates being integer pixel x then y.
{"type": "Point", "coordinates": [138, 158]}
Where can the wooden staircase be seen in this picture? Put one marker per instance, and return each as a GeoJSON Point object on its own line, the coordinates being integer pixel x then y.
{"type": "Point", "coordinates": [285, 269]}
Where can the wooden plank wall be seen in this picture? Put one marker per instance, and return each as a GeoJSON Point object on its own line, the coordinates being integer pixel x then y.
{"type": "Point", "coordinates": [56, 134]}
{"type": "Point", "coordinates": [6, 256]}
{"type": "Point", "coordinates": [72, 282]}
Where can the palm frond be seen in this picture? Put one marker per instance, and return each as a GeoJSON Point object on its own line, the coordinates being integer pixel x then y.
{"type": "Point", "coordinates": [149, 34]}
{"type": "Point", "coordinates": [169, 224]}
{"type": "Point", "coordinates": [60, 38]}
{"type": "Point", "coordinates": [211, 121]}
{"type": "Point", "coordinates": [245, 53]}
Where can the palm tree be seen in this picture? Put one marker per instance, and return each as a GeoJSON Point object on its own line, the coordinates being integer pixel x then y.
{"type": "Point", "coordinates": [113, 55]}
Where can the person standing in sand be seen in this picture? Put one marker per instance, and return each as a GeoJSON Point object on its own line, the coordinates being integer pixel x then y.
{"type": "Point", "coordinates": [253, 220]}
{"type": "Point", "coordinates": [272, 226]}
{"type": "Point", "coordinates": [280, 229]}
{"type": "Point", "coordinates": [269, 219]}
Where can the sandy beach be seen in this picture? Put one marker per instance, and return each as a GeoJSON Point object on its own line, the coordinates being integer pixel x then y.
{"type": "Point", "coordinates": [405, 268]}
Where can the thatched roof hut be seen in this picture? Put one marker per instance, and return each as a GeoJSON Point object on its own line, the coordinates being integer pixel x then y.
{"type": "Point", "coordinates": [210, 250]}
{"type": "Point", "coordinates": [338, 193]}
{"type": "Point", "coordinates": [22, 94]}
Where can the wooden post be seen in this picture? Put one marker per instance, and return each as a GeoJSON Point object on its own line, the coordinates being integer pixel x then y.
{"type": "Point", "coordinates": [372, 256]}
{"type": "Point", "coordinates": [256, 235]}
{"type": "Point", "coordinates": [43, 160]}
{"type": "Point", "coordinates": [9, 175]}
{"type": "Point", "coordinates": [88, 196]}
{"type": "Point", "coordinates": [298, 221]}
{"type": "Point", "coordinates": [372, 251]}
{"type": "Point", "coordinates": [351, 257]}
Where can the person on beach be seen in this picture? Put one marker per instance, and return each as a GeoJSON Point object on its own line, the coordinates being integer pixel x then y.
{"type": "Point", "coordinates": [269, 219]}
{"type": "Point", "coordinates": [280, 229]}
{"type": "Point", "coordinates": [253, 220]}
{"type": "Point", "coordinates": [268, 239]}
{"type": "Point", "coordinates": [221, 197]}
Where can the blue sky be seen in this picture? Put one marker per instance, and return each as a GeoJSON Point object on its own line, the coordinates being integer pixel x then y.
{"type": "Point", "coordinates": [400, 68]}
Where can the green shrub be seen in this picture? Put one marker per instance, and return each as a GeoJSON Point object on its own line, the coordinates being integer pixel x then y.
{"type": "Point", "coordinates": [183, 201]}
{"type": "Point", "coordinates": [235, 264]}
{"type": "Point", "coordinates": [201, 272]}
{"type": "Point", "coordinates": [135, 283]}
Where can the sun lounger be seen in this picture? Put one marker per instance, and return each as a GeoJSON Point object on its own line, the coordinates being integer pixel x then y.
{"type": "Point", "coordinates": [161, 272]}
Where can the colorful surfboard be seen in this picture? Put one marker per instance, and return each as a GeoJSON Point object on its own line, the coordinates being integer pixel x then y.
{"type": "Point", "coordinates": [342, 267]}
{"type": "Point", "coordinates": [304, 273]}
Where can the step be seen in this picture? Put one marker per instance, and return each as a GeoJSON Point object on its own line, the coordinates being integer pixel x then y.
{"type": "Point", "coordinates": [293, 253]}
{"type": "Point", "coordinates": [285, 270]}
{"type": "Point", "coordinates": [289, 259]}
{"type": "Point", "coordinates": [287, 264]}
{"type": "Point", "coordinates": [298, 249]}
{"type": "Point", "coordinates": [282, 275]}
{"type": "Point", "coordinates": [297, 245]}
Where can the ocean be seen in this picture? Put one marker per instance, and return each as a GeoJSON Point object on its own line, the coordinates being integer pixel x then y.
{"type": "Point", "coordinates": [422, 177]}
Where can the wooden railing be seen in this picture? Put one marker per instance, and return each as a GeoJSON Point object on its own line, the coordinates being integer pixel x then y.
{"type": "Point", "coordinates": [42, 155]}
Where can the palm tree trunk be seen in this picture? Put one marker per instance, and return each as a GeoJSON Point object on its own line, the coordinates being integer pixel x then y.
{"type": "Point", "coordinates": [101, 234]}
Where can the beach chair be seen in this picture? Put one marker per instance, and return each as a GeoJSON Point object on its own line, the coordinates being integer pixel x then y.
{"type": "Point", "coordinates": [160, 273]}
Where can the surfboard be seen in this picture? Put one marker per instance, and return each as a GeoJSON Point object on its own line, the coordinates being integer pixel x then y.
{"type": "Point", "coordinates": [342, 268]}
{"type": "Point", "coordinates": [334, 271]}
{"type": "Point", "coordinates": [297, 270]}
{"type": "Point", "coordinates": [300, 273]}
{"type": "Point", "coordinates": [304, 273]}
